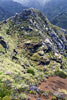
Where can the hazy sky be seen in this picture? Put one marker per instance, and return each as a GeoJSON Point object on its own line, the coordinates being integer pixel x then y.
{"type": "Point", "coordinates": [25, 1]}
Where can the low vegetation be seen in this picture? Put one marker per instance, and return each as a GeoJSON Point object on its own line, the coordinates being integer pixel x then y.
{"type": "Point", "coordinates": [28, 52]}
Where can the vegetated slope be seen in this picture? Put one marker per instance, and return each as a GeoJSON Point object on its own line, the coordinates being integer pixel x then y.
{"type": "Point", "coordinates": [3, 14]}
{"type": "Point", "coordinates": [9, 8]}
{"type": "Point", "coordinates": [30, 49]}
{"type": "Point", "coordinates": [61, 20]}
{"type": "Point", "coordinates": [53, 8]}
{"type": "Point", "coordinates": [51, 86]}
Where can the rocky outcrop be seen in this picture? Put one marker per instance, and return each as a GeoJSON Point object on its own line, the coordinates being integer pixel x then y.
{"type": "Point", "coordinates": [57, 41]}
{"type": "Point", "coordinates": [3, 43]}
{"type": "Point", "coordinates": [35, 48]}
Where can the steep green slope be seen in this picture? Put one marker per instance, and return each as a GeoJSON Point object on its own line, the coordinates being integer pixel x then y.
{"type": "Point", "coordinates": [3, 14]}
{"type": "Point", "coordinates": [61, 20]}
{"type": "Point", "coordinates": [30, 49]}
{"type": "Point", "coordinates": [53, 9]}
{"type": "Point", "coordinates": [9, 8]}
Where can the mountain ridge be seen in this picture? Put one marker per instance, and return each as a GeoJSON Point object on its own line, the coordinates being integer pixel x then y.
{"type": "Point", "coordinates": [31, 50]}
{"type": "Point", "coordinates": [51, 9]}
{"type": "Point", "coordinates": [61, 20]}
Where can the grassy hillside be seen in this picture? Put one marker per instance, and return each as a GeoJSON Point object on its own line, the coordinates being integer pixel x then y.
{"type": "Point", "coordinates": [30, 49]}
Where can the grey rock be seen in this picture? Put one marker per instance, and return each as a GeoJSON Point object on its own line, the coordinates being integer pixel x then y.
{"type": "Point", "coordinates": [34, 88]}
{"type": "Point", "coordinates": [4, 44]}
{"type": "Point", "coordinates": [57, 40]}
{"type": "Point", "coordinates": [59, 95]}
{"type": "Point", "coordinates": [8, 73]}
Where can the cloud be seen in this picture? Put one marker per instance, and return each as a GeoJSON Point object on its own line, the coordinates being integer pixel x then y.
{"type": "Point", "coordinates": [38, 4]}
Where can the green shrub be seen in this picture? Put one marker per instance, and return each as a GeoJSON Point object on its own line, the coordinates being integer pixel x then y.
{"type": "Point", "coordinates": [23, 96]}
{"type": "Point", "coordinates": [32, 92]}
{"type": "Point", "coordinates": [6, 98]}
{"type": "Point", "coordinates": [4, 91]}
{"type": "Point", "coordinates": [61, 74]}
{"type": "Point", "coordinates": [31, 71]}
{"type": "Point", "coordinates": [53, 98]}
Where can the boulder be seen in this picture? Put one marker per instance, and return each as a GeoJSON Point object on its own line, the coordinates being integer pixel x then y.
{"type": "Point", "coordinates": [44, 61]}
{"type": "Point", "coordinates": [41, 53]}
{"type": "Point", "coordinates": [33, 46]}
{"type": "Point", "coordinates": [4, 44]}
{"type": "Point", "coordinates": [1, 37]}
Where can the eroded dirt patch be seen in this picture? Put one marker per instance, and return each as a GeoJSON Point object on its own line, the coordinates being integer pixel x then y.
{"type": "Point", "coordinates": [52, 84]}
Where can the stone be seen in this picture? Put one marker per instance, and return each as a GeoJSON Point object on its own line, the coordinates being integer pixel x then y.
{"type": "Point", "coordinates": [33, 46]}
{"type": "Point", "coordinates": [8, 73]}
{"type": "Point", "coordinates": [14, 58]}
{"type": "Point", "coordinates": [44, 61]}
{"type": "Point", "coordinates": [1, 37]}
{"type": "Point", "coordinates": [15, 52]}
{"type": "Point", "coordinates": [41, 53]}
{"type": "Point", "coordinates": [4, 44]}
{"type": "Point", "coordinates": [4, 21]}
{"type": "Point", "coordinates": [27, 29]}
{"type": "Point", "coordinates": [59, 95]}
{"type": "Point", "coordinates": [57, 40]}
{"type": "Point", "coordinates": [46, 76]}
{"type": "Point", "coordinates": [47, 41]}
{"type": "Point", "coordinates": [50, 47]}
{"type": "Point", "coordinates": [46, 28]}
{"type": "Point", "coordinates": [56, 54]}
{"type": "Point", "coordinates": [34, 88]}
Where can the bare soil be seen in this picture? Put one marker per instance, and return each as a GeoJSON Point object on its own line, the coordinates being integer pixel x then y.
{"type": "Point", "coordinates": [52, 84]}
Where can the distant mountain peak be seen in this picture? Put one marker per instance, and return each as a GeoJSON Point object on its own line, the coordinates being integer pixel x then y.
{"type": "Point", "coordinates": [9, 8]}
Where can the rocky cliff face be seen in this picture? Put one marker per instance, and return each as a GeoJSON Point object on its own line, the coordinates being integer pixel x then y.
{"type": "Point", "coordinates": [31, 48]}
